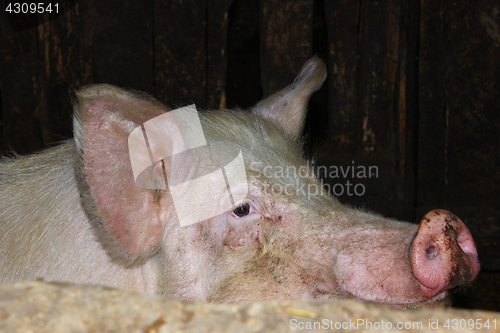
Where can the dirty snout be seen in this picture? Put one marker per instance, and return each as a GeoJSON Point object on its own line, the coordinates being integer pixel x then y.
{"type": "Point", "coordinates": [443, 254]}
{"type": "Point", "coordinates": [401, 263]}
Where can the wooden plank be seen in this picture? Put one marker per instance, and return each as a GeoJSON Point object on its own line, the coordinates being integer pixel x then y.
{"type": "Point", "coordinates": [217, 30]}
{"type": "Point", "coordinates": [459, 124]}
{"type": "Point", "coordinates": [65, 64]}
{"type": "Point", "coordinates": [406, 111]}
{"type": "Point", "coordinates": [180, 52]}
{"type": "Point", "coordinates": [432, 106]}
{"type": "Point", "coordinates": [377, 66]}
{"type": "Point", "coordinates": [243, 86]}
{"type": "Point", "coordinates": [371, 96]}
{"type": "Point", "coordinates": [342, 19]}
{"type": "Point", "coordinates": [123, 44]}
{"type": "Point", "coordinates": [20, 127]}
{"type": "Point", "coordinates": [286, 41]}
{"type": "Point", "coordinates": [473, 104]}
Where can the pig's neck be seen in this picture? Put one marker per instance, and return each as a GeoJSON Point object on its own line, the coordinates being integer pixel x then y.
{"type": "Point", "coordinates": [62, 243]}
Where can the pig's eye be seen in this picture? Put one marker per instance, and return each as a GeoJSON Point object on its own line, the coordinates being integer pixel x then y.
{"type": "Point", "coordinates": [242, 210]}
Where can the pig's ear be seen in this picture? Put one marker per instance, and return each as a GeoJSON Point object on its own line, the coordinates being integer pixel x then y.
{"type": "Point", "coordinates": [287, 108]}
{"type": "Point", "coordinates": [128, 219]}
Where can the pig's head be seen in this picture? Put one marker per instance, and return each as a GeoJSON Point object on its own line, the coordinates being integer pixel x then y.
{"type": "Point", "coordinates": [287, 239]}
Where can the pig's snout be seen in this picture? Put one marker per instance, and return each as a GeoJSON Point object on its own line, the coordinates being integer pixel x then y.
{"type": "Point", "coordinates": [443, 254]}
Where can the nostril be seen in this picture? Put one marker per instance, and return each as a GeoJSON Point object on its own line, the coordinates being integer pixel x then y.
{"type": "Point", "coordinates": [432, 252]}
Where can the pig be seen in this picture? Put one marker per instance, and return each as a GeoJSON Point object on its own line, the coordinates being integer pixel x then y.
{"type": "Point", "coordinates": [74, 213]}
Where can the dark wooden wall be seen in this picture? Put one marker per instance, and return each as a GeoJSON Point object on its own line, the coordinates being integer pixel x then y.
{"type": "Point", "coordinates": [412, 87]}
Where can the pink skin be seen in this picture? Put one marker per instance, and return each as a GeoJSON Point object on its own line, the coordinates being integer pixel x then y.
{"type": "Point", "coordinates": [350, 254]}
{"type": "Point", "coordinates": [443, 253]}
{"type": "Point", "coordinates": [385, 265]}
